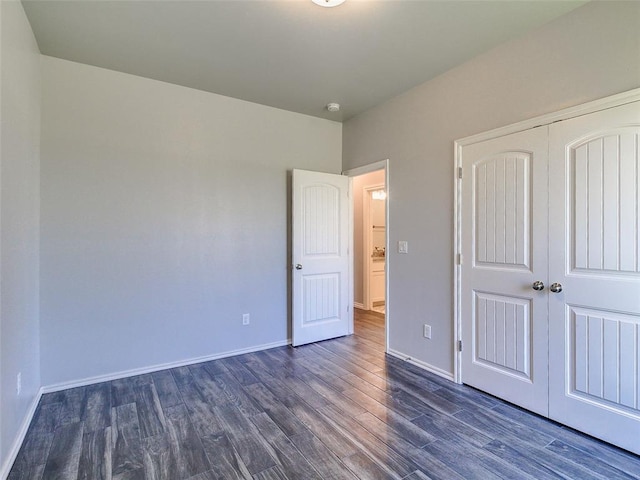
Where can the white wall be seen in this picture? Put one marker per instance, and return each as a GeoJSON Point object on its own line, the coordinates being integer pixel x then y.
{"type": "Point", "coordinates": [164, 219]}
{"type": "Point", "coordinates": [359, 184]}
{"type": "Point", "coordinates": [589, 53]}
{"type": "Point", "coordinates": [19, 221]}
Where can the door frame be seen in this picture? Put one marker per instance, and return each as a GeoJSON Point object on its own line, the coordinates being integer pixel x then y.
{"type": "Point", "coordinates": [355, 172]}
{"type": "Point", "coordinates": [546, 119]}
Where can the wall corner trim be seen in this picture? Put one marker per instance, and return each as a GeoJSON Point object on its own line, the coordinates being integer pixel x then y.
{"type": "Point", "coordinates": [22, 433]}
{"type": "Point", "coordinates": [593, 106]}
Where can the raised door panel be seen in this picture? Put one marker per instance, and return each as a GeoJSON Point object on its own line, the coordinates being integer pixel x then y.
{"type": "Point", "coordinates": [321, 220]}
{"type": "Point", "coordinates": [502, 200]}
{"type": "Point", "coordinates": [605, 359]}
{"type": "Point", "coordinates": [321, 298]}
{"type": "Point", "coordinates": [604, 185]}
{"type": "Point", "coordinates": [502, 334]}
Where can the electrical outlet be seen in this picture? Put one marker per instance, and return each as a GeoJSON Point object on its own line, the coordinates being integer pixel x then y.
{"type": "Point", "coordinates": [427, 331]}
{"type": "Point", "coordinates": [403, 246]}
{"type": "Point", "coordinates": [19, 383]}
{"type": "Point", "coordinates": [246, 318]}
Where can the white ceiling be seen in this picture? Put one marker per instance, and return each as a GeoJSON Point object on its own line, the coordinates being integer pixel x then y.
{"type": "Point", "coordinates": [290, 54]}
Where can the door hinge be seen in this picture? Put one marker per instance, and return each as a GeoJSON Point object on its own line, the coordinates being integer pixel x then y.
{"type": "Point", "coordinates": [460, 259]}
{"type": "Point", "coordinates": [460, 172]}
{"type": "Point", "coordinates": [459, 345]}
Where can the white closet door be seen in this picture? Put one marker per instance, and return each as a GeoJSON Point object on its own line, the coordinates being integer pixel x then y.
{"type": "Point", "coordinates": [504, 247]}
{"type": "Point", "coordinates": [595, 256]}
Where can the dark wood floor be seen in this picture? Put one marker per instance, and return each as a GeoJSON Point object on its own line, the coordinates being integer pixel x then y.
{"type": "Point", "coordinates": [338, 409]}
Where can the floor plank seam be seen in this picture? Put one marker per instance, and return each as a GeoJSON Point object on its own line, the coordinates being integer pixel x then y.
{"type": "Point", "coordinates": [338, 409]}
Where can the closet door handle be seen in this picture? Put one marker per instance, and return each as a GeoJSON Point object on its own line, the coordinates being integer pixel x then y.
{"type": "Point", "coordinates": [556, 288]}
{"type": "Point", "coordinates": [298, 266]}
{"type": "Point", "coordinates": [538, 285]}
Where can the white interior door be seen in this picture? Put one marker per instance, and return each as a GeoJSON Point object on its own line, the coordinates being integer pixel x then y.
{"type": "Point", "coordinates": [504, 248]}
{"type": "Point", "coordinates": [595, 256]}
{"type": "Point", "coordinates": [320, 256]}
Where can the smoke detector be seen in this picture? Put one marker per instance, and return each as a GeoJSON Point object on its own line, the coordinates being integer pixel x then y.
{"type": "Point", "coordinates": [333, 107]}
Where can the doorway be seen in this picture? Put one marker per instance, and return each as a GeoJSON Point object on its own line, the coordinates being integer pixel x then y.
{"type": "Point", "coordinates": [328, 253]}
{"type": "Point", "coordinates": [373, 243]}
{"type": "Point", "coordinates": [370, 242]}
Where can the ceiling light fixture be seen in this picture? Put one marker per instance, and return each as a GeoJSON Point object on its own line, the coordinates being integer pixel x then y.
{"type": "Point", "coordinates": [328, 3]}
{"type": "Point", "coordinates": [333, 107]}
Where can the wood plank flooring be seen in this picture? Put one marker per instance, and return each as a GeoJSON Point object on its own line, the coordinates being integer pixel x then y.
{"type": "Point", "coordinates": [339, 409]}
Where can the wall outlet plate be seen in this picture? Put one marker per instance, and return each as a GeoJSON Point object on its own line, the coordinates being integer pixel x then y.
{"type": "Point", "coordinates": [403, 246]}
{"type": "Point", "coordinates": [246, 318]}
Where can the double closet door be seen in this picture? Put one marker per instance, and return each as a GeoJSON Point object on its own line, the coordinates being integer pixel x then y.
{"type": "Point", "coordinates": [550, 282]}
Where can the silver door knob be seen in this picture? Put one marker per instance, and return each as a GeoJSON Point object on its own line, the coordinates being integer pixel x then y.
{"type": "Point", "coordinates": [538, 285]}
{"type": "Point", "coordinates": [556, 287]}
{"type": "Point", "coordinates": [298, 266]}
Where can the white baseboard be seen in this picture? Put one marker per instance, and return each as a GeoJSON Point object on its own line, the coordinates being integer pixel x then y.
{"type": "Point", "coordinates": [22, 433]}
{"type": "Point", "coordinates": [24, 427]}
{"type": "Point", "coordinates": [425, 366]}
{"type": "Point", "coordinates": [155, 368]}
{"type": "Point", "coordinates": [359, 305]}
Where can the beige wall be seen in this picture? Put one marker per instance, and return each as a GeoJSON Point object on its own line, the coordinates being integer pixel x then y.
{"type": "Point", "coordinates": [589, 53]}
{"type": "Point", "coordinates": [19, 218]}
{"type": "Point", "coordinates": [165, 217]}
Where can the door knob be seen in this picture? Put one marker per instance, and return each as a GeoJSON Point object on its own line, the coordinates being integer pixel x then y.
{"type": "Point", "coordinates": [538, 285]}
{"type": "Point", "coordinates": [298, 266]}
{"type": "Point", "coordinates": [556, 288]}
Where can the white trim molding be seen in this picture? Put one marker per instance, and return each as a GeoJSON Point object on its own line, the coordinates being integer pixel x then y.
{"type": "Point", "coordinates": [371, 167]}
{"type": "Point", "coordinates": [24, 427]}
{"type": "Point", "coordinates": [425, 366]}
{"type": "Point", "coordinates": [156, 368]}
{"type": "Point", "coordinates": [19, 439]}
{"type": "Point", "coordinates": [553, 117]}
{"type": "Point", "coordinates": [546, 119]}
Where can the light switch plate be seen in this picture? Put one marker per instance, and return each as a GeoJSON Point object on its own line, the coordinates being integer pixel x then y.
{"type": "Point", "coordinates": [427, 331]}
{"type": "Point", "coordinates": [403, 246]}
